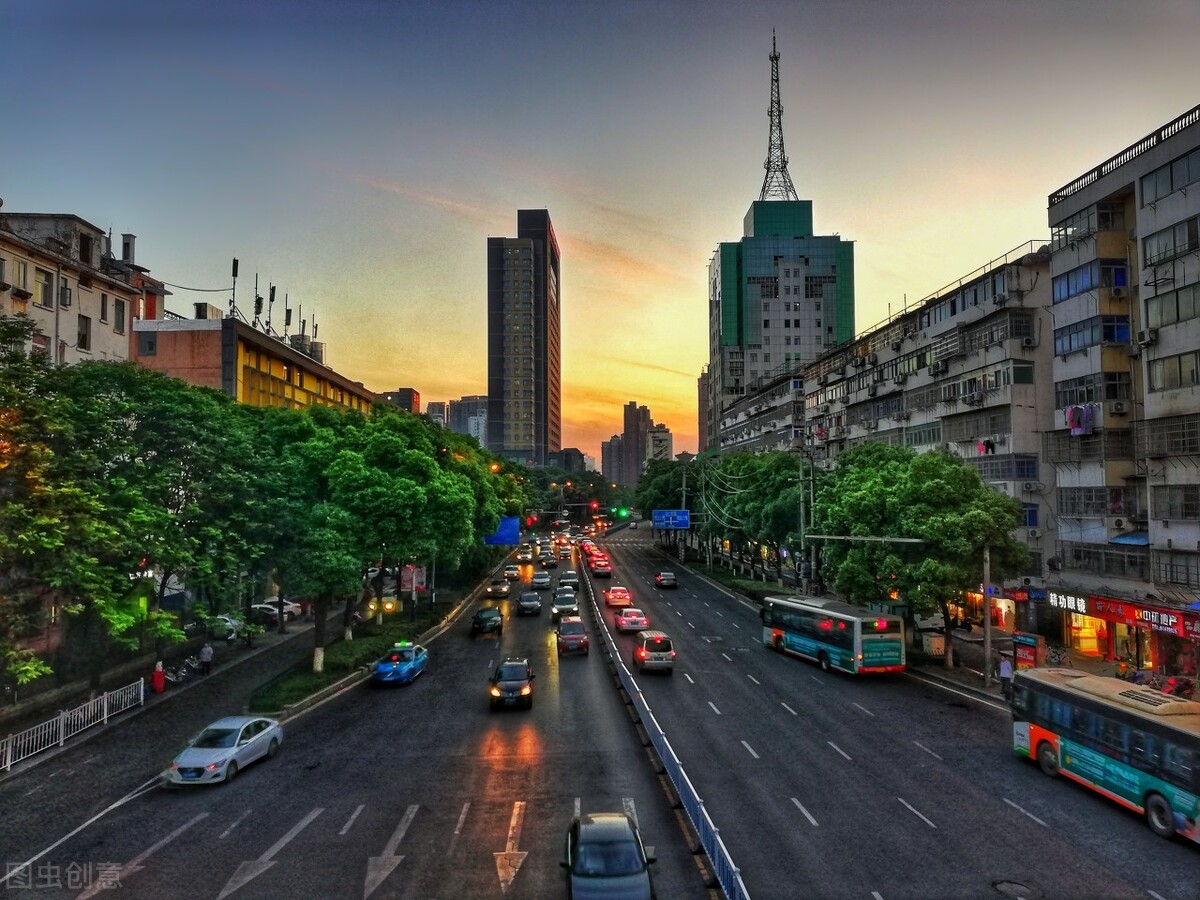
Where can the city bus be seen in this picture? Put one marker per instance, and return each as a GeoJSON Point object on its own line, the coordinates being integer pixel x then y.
{"type": "Point", "coordinates": [1131, 743]}
{"type": "Point", "coordinates": [834, 634]}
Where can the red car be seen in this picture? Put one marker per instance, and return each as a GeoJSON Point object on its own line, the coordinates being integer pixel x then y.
{"type": "Point", "coordinates": [572, 636]}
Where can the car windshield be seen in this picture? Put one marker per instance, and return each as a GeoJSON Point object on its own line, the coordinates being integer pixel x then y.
{"type": "Point", "coordinates": [212, 738]}
{"type": "Point", "coordinates": [608, 858]}
{"type": "Point", "coordinates": [571, 628]}
{"type": "Point", "coordinates": [633, 613]}
{"type": "Point", "coordinates": [529, 598]}
{"type": "Point", "coordinates": [487, 614]}
{"type": "Point", "coordinates": [513, 672]}
{"type": "Point", "coordinates": [400, 656]}
{"type": "Point", "coordinates": [564, 601]}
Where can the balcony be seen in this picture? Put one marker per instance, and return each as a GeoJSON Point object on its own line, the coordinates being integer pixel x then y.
{"type": "Point", "coordinates": [1171, 436]}
{"type": "Point", "coordinates": [1099, 446]}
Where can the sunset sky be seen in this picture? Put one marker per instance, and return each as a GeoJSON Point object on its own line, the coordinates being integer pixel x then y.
{"type": "Point", "coordinates": [359, 154]}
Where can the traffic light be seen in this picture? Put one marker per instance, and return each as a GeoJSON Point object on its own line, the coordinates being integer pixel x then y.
{"type": "Point", "coordinates": [623, 513]}
{"type": "Point", "coordinates": [595, 504]}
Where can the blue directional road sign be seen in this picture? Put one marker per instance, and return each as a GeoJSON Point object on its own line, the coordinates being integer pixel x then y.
{"type": "Point", "coordinates": [680, 519]}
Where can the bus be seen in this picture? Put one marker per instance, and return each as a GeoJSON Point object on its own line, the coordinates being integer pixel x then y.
{"type": "Point", "coordinates": [1131, 743]}
{"type": "Point", "coordinates": [834, 634]}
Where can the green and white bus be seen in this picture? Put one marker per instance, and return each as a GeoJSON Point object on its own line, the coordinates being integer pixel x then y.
{"type": "Point", "coordinates": [834, 634]}
{"type": "Point", "coordinates": [1131, 743]}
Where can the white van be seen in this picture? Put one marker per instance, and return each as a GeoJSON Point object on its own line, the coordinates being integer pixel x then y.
{"type": "Point", "coordinates": [654, 650]}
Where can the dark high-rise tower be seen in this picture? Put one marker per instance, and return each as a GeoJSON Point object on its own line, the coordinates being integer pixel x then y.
{"type": "Point", "coordinates": [524, 388]}
{"type": "Point", "coordinates": [777, 183]}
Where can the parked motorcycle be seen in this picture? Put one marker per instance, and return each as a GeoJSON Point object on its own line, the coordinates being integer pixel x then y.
{"type": "Point", "coordinates": [193, 663]}
{"type": "Point", "coordinates": [177, 675]}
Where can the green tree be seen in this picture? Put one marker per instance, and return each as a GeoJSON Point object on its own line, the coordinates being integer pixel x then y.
{"type": "Point", "coordinates": [883, 491]}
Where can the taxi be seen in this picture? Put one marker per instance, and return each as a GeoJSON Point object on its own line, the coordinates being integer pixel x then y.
{"type": "Point", "coordinates": [401, 665]}
{"type": "Point", "coordinates": [618, 596]}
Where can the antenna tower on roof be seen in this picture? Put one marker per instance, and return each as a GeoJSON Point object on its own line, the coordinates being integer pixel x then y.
{"type": "Point", "coordinates": [777, 185]}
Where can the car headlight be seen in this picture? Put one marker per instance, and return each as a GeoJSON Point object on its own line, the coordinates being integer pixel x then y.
{"type": "Point", "coordinates": [528, 689]}
{"type": "Point", "coordinates": [495, 692]}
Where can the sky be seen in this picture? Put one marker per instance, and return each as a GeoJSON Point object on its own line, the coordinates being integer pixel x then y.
{"type": "Point", "coordinates": [359, 154]}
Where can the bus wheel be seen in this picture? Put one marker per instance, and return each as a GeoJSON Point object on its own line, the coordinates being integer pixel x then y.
{"type": "Point", "coordinates": [823, 659]}
{"type": "Point", "coordinates": [1047, 759]}
{"type": "Point", "coordinates": [1159, 816]}
{"type": "Point", "coordinates": [779, 643]}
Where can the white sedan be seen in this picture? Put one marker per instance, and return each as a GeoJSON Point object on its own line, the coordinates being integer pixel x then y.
{"type": "Point", "coordinates": [630, 619]}
{"type": "Point", "coordinates": [223, 748]}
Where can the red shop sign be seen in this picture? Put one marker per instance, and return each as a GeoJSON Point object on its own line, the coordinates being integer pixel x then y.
{"type": "Point", "coordinates": [1136, 616]}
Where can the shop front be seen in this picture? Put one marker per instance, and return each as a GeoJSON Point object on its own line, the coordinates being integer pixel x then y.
{"type": "Point", "coordinates": [1004, 607]}
{"type": "Point", "coordinates": [1146, 637]}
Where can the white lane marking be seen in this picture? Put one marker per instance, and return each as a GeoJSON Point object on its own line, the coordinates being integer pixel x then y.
{"type": "Point", "coordinates": [937, 684]}
{"type": "Point", "coordinates": [838, 749]}
{"type": "Point", "coordinates": [136, 863]}
{"type": "Point", "coordinates": [690, 625]}
{"type": "Point", "coordinates": [807, 814]}
{"type": "Point", "coordinates": [706, 603]}
{"type": "Point", "coordinates": [248, 870]}
{"type": "Point", "coordinates": [688, 677]}
{"type": "Point", "coordinates": [35, 790]}
{"type": "Point", "coordinates": [875, 895]}
{"type": "Point", "coordinates": [679, 613]}
{"type": "Point", "coordinates": [630, 809]}
{"type": "Point", "coordinates": [236, 822]}
{"type": "Point", "coordinates": [349, 822]}
{"type": "Point", "coordinates": [815, 678]}
{"type": "Point", "coordinates": [91, 759]}
{"type": "Point", "coordinates": [749, 749]}
{"type": "Point", "coordinates": [727, 656]}
{"type": "Point", "coordinates": [752, 678]}
{"type": "Point", "coordinates": [788, 708]}
{"type": "Point", "coordinates": [11, 871]}
{"type": "Point", "coordinates": [714, 707]}
{"type": "Point", "coordinates": [719, 613]}
{"type": "Point", "coordinates": [1155, 894]}
{"type": "Point", "coordinates": [915, 813]}
{"type": "Point", "coordinates": [462, 817]}
{"type": "Point", "coordinates": [380, 867]}
{"type": "Point", "coordinates": [736, 625]}
{"type": "Point", "coordinates": [1028, 813]}
{"type": "Point", "coordinates": [864, 709]}
{"type": "Point", "coordinates": [926, 749]}
{"type": "Point", "coordinates": [401, 830]}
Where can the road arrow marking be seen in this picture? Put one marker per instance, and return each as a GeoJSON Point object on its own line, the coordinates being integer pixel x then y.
{"type": "Point", "coordinates": [509, 862]}
{"type": "Point", "coordinates": [251, 869]}
{"type": "Point", "coordinates": [380, 867]}
{"type": "Point", "coordinates": [135, 864]}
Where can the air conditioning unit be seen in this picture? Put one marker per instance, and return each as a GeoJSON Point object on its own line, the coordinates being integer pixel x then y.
{"type": "Point", "coordinates": [1034, 533]}
{"type": "Point", "coordinates": [1117, 293]}
{"type": "Point", "coordinates": [1115, 523]}
{"type": "Point", "coordinates": [896, 345]}
{"type": "Point", "coordinates": [1000, 299]}
{"type": "Point", "coordinates": [859, 362]}
{"type": "Point", "coordinates": [903, 416]}
{"type": "Point", "coordinates": [823, 380]}
{"type": "Point", "coordinates": [872, 390]}
{"type": "Point", "coordinates": [975, 398]}
{"type": "Point", "coordinates": [845, 401]}
{"type": "Point", "coordinates": [824, 410]}
{"type": "Point", "coordinates": [1147, 337]}
{"type": "Point", "coordinates": [1028, 341]}
{"type": "Point", "coordinates": [937, 368]}
{"type": "Point", "coordinates": [901, 378]}
{"type": "Point", "coordinates": [1117, 408]}
{"type": "Point", "coordinates": [1029, 486]}
{"type": "Point", "coordinates": [872, 359]}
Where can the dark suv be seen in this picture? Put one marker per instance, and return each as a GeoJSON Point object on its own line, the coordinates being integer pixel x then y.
{"type": "Point", "coordinates": [512, 684]}
{"type": "Point", "coordinates": [486, 621]}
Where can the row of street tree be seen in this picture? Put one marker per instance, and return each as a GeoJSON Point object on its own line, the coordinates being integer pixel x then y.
{"type": "Point", "coordinates": [894, 524]}
{"type": "Point", "coordinates": [116, 481]}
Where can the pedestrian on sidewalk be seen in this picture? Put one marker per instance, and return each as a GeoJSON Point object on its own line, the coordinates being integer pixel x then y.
{"type": "Point", "coordinates": [1006, 675]}
{"type": "Point", "coordinates": [206, 655]}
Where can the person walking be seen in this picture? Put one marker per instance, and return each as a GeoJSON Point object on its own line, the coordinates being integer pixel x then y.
{"type": "Point", "coordinates": [1006, 676]}
{"type": "Point", "coordinates": [206, 655]}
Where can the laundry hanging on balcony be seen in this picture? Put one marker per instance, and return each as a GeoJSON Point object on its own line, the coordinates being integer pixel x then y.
{"type": "Point", "coordinates": [1079, 420]}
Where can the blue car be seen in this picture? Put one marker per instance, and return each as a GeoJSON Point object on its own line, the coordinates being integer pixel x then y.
{"type": "Point", "coordinates": [401, 665]}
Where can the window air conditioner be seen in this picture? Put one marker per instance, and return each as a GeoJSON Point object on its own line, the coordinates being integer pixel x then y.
{"type": "Point", "coordinates": [1029, 486]}
{"type": "Point", "coordinates": [1117, 408]}
{"type": "Point", "coordinates": [872, 359]}
{"type": "Point", "coordinates": [900, 379]}
{"type": "Point", "coordinates": [872, 390]}
{"type": "Point", "coordinates": [1034, 533]}
{"type": "Point", "coordinates": [1117, 293]}
{"type": "Point", "coordinates": [1028, 341]}
{"type": "Point", "coordinates": [1000, 299]}
{"type": "Point", "coordinates": [896, 345]}
{"type": "Point", "coordinates": [1148, 337]}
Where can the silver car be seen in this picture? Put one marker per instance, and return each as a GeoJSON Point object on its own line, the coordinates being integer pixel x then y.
{"type": "Point", "coordinates": [225, 747]}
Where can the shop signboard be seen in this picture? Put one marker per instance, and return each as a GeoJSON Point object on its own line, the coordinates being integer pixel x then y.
{"type": "Point", "coordinates": [1028, 649]}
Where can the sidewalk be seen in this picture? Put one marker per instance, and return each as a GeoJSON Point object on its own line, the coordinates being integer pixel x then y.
{"type": "Point", "coordinates": [225, 657]}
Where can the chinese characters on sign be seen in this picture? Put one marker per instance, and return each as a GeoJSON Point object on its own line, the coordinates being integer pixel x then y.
{"type": "Point", "coordinates": [73, 876]}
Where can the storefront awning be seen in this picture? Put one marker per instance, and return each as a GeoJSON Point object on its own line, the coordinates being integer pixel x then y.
{"type": "Point", "coordinates": [1137, 538]}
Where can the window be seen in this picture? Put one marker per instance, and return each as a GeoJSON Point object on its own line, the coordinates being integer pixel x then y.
{"type": "Point", "coordinates": [118, 315]}
{"type": "Point", "coordinates": [84, 342]}
{"type": "Point", "coordinates": [41, 288]}
{"type": "Point", "coordinates": [766, 323]}
{"type": "Point", "coordinates": [103, 307]}
{"type": "Point", "coordinates": [20, 273]}
{"type": "Point", "coordinates": [147, 344]}
{"type": "Point", "coordinates": [1174, 371]}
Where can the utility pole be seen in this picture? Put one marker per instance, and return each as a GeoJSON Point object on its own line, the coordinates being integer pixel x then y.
{"type": "Point", "coordinates": [987, 615]}
{"type": "Point", "coordinates": [683, 505]}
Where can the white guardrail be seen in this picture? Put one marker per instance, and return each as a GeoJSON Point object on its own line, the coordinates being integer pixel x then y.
{"type": "Point", "coordinates": [728, 876]}
{"type": "Point", "coordinates": [68, 723]}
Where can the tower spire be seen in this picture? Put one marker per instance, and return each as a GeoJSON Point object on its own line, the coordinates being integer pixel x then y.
{"type": "Point", "coordinates": [777, 185]}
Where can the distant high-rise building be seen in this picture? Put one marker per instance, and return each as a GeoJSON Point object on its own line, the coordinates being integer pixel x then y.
{"type": "Point", "coordinates": [633, 442]}
{"type": "Point", "coordinates": [702, 407]}
{"type": "Point", "coordinates": [468, 415]}
{"type": "Point", "coordinates": [780, 296]}
{"type": "Point", "coordinates": [660, 445]}
{"type": "Point", "coordinates": [524, 390]}
{"type": "Point", "coordinates": [589, 463]}
{"type": "Point", "coordinates": [569, 459]}
{"type": "Point", "coordinates": [408, 399]}
{"type": "Point", "coordinates": [611, 457]}
{"type": "Point", "coordinates": [436, 410]}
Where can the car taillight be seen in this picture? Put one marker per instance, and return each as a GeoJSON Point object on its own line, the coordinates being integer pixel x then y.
{"type": "Point", "coordinates": [672, 654]}
{"type": "Point", "coordinates": [642, 653]}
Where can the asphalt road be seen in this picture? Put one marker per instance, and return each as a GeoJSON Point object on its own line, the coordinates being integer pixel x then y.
{"type": "Point", "coordinates": [411, 792]}
{"type": "Point", "coordinates": [831, 786]}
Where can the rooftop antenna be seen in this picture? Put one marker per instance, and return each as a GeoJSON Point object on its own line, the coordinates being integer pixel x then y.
{"type": "Point", "coordinates": [777, 185]}
{"type": "Point", "coordinates": [258, 304]}
{"type": "Point", "coordinates": [233, 293]}
{"type": "Point", "coordinates": [287, 315]}
{"type": "Point", "coordinates": [270, 307]}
